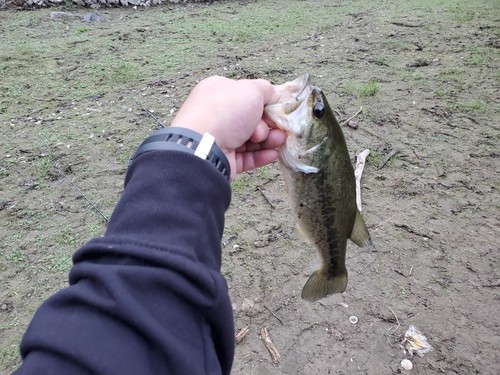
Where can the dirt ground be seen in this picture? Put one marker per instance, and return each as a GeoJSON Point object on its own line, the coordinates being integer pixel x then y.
{"type": "Point", "coordinates": [426, 76]}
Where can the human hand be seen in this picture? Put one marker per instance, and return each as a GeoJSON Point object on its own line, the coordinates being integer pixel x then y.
{"type": "Point", "coordinates": [232, 112]}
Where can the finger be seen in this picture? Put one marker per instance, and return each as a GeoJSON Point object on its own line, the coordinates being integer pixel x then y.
{"type": "Point", "coordinates": [260, 133]}
{"type": "Point", "coordinates": [275, 139]}
{"type": "Point", "coordinates": [267, 90]}
{"type": "Point", "coordinates": [250, 160]}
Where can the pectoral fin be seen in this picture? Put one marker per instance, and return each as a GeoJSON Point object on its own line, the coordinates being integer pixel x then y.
{"type": "Point", "coordinates": [359, 234]}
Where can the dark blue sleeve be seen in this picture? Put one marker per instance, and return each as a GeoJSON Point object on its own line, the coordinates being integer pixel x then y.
{"type": "Point", "coordinates": [148, 297]}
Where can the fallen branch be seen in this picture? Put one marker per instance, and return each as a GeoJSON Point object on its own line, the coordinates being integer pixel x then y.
{"type": "Point", "coordinates": [384, 161]}
{"type": "Point", "coordinates": [490, 285]}
{"type": "Point", "coordinates": [346, 122]}
{"type": "Point", "coordinates": [266, 198]}
{"type": "Point", "coordinates": [266, 339]}
{"type": "Point", "coordinates": [413, 231]}
{"type": "Point", "coordinates": [360, 165]}
{"type": "Point", "coordinates": [397, 320]}
{"type": "Point", "coordinates": [242, 334]}
{"type": "Point", "coordinates": [276, 316]}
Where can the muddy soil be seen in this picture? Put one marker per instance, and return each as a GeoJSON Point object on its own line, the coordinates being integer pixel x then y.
{"type": "Point", "coordinates": [426, 77]}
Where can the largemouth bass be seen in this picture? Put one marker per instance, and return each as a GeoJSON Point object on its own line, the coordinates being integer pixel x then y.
{"type": "Point", "coordinates": [320, 182]}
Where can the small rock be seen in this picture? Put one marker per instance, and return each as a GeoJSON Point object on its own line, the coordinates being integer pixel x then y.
{"type": "Point", "coordinates": [352, 124]}
{"type": "Point", "coordinates": [261, 243]}
{"type": "Point", "coordinates": [406, 364]}
{"type": "Point", "coordinates": [92, 17]}
{"type": "Point", "coordinates": [4, 306]}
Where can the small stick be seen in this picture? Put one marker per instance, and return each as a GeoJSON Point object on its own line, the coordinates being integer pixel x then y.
{"type": "Point", "coordinates": [266, 339]}
{"type": "Point", "coordinates": [418, 156]}
{"type": "Point", "coordinates": [148, 112]}
{"type": "Point", "coordinates": [397, 320]}
{"type": "Point", "coordinates": [360, 165]}
{"type": "Point", "coordinates": [242, 334]}
{"type": "Point", "coordinates": [388, 157]}
{"type": "Point", "coordinates": [266, 198]}
{"type": "Point", "coordinates": [276, 316]}
{"type": "Point", "coordinates": [411, 270]}
{"type": "Point", "coordinates": [490, 285]}
{"type": "Point", "coordinates": [345, 122]}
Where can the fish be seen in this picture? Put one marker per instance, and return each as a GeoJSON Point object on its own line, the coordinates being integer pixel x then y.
{"type": "Point", "coordinates": [319, 179]}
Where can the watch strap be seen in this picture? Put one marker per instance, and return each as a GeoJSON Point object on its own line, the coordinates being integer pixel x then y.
{"type": "Point", "coordinates": [186, 140]}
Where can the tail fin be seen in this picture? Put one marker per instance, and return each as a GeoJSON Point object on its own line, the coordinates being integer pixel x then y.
{"type": "Point", "coordinates": [318, 286]}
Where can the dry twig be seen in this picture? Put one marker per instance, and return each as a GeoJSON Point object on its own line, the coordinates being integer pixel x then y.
{"type": "Point", "coordinates": [397, 320]}
{"type": "Point", "coordinates": [266, 198]}
{"type": "Point", "coordinates": [360, 165]}
{"type": "Point", "coordinates": [266, 339]}
{"type": "Point", "coordinates": [346, 122]}
{"type": "Point", "coordinates": [411, 270]}
{"type": "Point", "coordinates": [272, 312]}
{"type": "Point", "coordinates": [490, 285]}
{"type": "Point", "coordinates": [242, 334]}
{"type": "Point", "coordinates": [384, 161]}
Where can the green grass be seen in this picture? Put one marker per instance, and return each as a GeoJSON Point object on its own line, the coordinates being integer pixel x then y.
{"type": "Point", "coordinates": [362, 90]}
{"type": "Point", "coordinates": [481, 57]}
{"type": "Point", "coordinates": [82, 30]}
{"type": "Point", "coordinates": [445, 93]}
{"type": "Point", "coordinates": [18, 256]}
{"type": "Point", "coordinates": [9, 355]}
{"type": "Point", "coordinates": [456, 76]}
{"type": "Point", "coordinates": [59, 262]}
{"type": "Point", "coordinates": [411, 75]}
{"type": "Point", "coordinates": [468, 107]}
{"type": "Point", "coordinates": [96, 229]}
{"type": "Point", "coordinates": [106, 58]}
{"type": "Point", "coordinates": [43, 167]}
{"type": "Point", "coordinates": [266, 172]}
{"type": "Point", "coordinates": [68, 237]}
{"type": "Point", "coordinates": [368, 89]}
{"type": "Point", "coordinates": [239, 184]}
{"type": "Point", "coordinates": [12, 322]}
{"type": "Point", "coordinates": [374, 158]}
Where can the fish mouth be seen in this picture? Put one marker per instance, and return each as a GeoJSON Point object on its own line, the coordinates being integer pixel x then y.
{"type": "Point", "coordinates": [292, 103]}
{"type": "Point", "coordinates": [303, 83]}
{"type": "Point", "coordinates": [299, 90]}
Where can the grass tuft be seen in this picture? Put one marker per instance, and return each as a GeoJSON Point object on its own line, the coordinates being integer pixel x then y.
{"type": "Point", "coordinates": [369, 89]}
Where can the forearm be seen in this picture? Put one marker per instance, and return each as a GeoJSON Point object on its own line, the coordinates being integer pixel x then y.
{"type": "Point", "coordinates": [148, 297]}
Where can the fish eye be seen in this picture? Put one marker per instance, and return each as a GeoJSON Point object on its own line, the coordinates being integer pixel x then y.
{"type": "Point", "coordinates": [318, 110]}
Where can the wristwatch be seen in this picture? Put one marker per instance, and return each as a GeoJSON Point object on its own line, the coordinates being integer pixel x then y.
{"type": "Point", "coordinates": [186, 140]}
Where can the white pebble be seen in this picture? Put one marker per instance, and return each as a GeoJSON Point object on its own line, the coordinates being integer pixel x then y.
{"type": "Point", "coordinates": [406, 364]}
